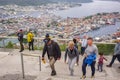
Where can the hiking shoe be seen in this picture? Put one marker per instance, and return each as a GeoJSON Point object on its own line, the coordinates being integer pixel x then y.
{"type": "Point", "coordinates": [83, 77]}
{"type": "Point", "coordinates": [75, 64]}
{"type": "Point", "coordinates": [53, 73]}
{"type": "Point", "coordinates": [108, 66]}
{"type": "Point", "coordinates": [21, 50]}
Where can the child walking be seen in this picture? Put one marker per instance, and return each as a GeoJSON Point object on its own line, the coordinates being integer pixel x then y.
{"type": "Point", "coordinates": [100, 62]}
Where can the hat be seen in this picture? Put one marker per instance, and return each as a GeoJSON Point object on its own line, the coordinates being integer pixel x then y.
{"type": "Point", "coordinates": [46, 40]}
{"type": "Point", "coordinates": [47, 35]}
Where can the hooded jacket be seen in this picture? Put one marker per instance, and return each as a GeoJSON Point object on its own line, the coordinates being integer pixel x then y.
{"type": "Point", "coordinates": [30, 37]}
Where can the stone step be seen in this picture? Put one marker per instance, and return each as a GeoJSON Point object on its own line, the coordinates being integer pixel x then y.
{"type": "Point", "coordinates": [46, 76]}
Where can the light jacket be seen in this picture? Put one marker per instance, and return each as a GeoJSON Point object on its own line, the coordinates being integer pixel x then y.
{"type": "Point", "coordinates": [30, 37]}
{"type": "Point", "coordinates": [72, 54]}
{"type": "Point", "coordinates": [117, 49]}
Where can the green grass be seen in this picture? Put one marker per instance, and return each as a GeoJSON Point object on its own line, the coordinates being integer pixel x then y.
{"type": "Point", "coordinates": [63, 47]}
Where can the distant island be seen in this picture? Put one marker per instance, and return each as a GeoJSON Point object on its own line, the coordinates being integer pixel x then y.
{"type": "Point", "coordinates": [38, 2]}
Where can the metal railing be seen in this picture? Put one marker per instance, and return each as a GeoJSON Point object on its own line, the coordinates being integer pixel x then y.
{"type": "Point", "coordinates": [22, 61]}
{"type": "Point", "coordinates": [38, 38]}
{"type": "Point", "coordinates": [39, 42]}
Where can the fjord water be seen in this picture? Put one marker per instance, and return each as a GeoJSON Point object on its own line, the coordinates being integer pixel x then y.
{"type": "Point", "coordinates": [90, 9]}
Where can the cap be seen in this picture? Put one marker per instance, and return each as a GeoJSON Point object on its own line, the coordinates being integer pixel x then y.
{"type": "Point", "coordinates": [47, 35]}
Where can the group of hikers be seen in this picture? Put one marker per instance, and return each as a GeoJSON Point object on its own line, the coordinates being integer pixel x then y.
{"type": "Point", "coordinates": [88, 50]}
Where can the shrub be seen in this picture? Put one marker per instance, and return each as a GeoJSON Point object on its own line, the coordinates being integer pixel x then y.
{"type": "Point", "coordinates": [41, 48]}
{"type": "Point", "coordinates": [9, 45]}
{"type": "Point", "coordinates": [63, 47]}
{"type": "Point", "coordinates": [25, 41]}
{"type": "Point", "coordinates": [106, 48]}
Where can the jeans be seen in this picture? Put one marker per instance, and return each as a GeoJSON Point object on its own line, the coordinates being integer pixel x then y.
{"type": "Point", "coordinates": [71, 63]}
{"type": "Point", "coordinates": [100, 67]}
{"type": "Point", "coordinates": [84, 65]}
{"type": "Point", "coordinates": [52, 62]}
{"type": "Point", "coordinates": [83, 50]}
{"type": "Point", "coordinates": [114, 58]}
{"type": "Point", "coordinates": [118, 57]}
